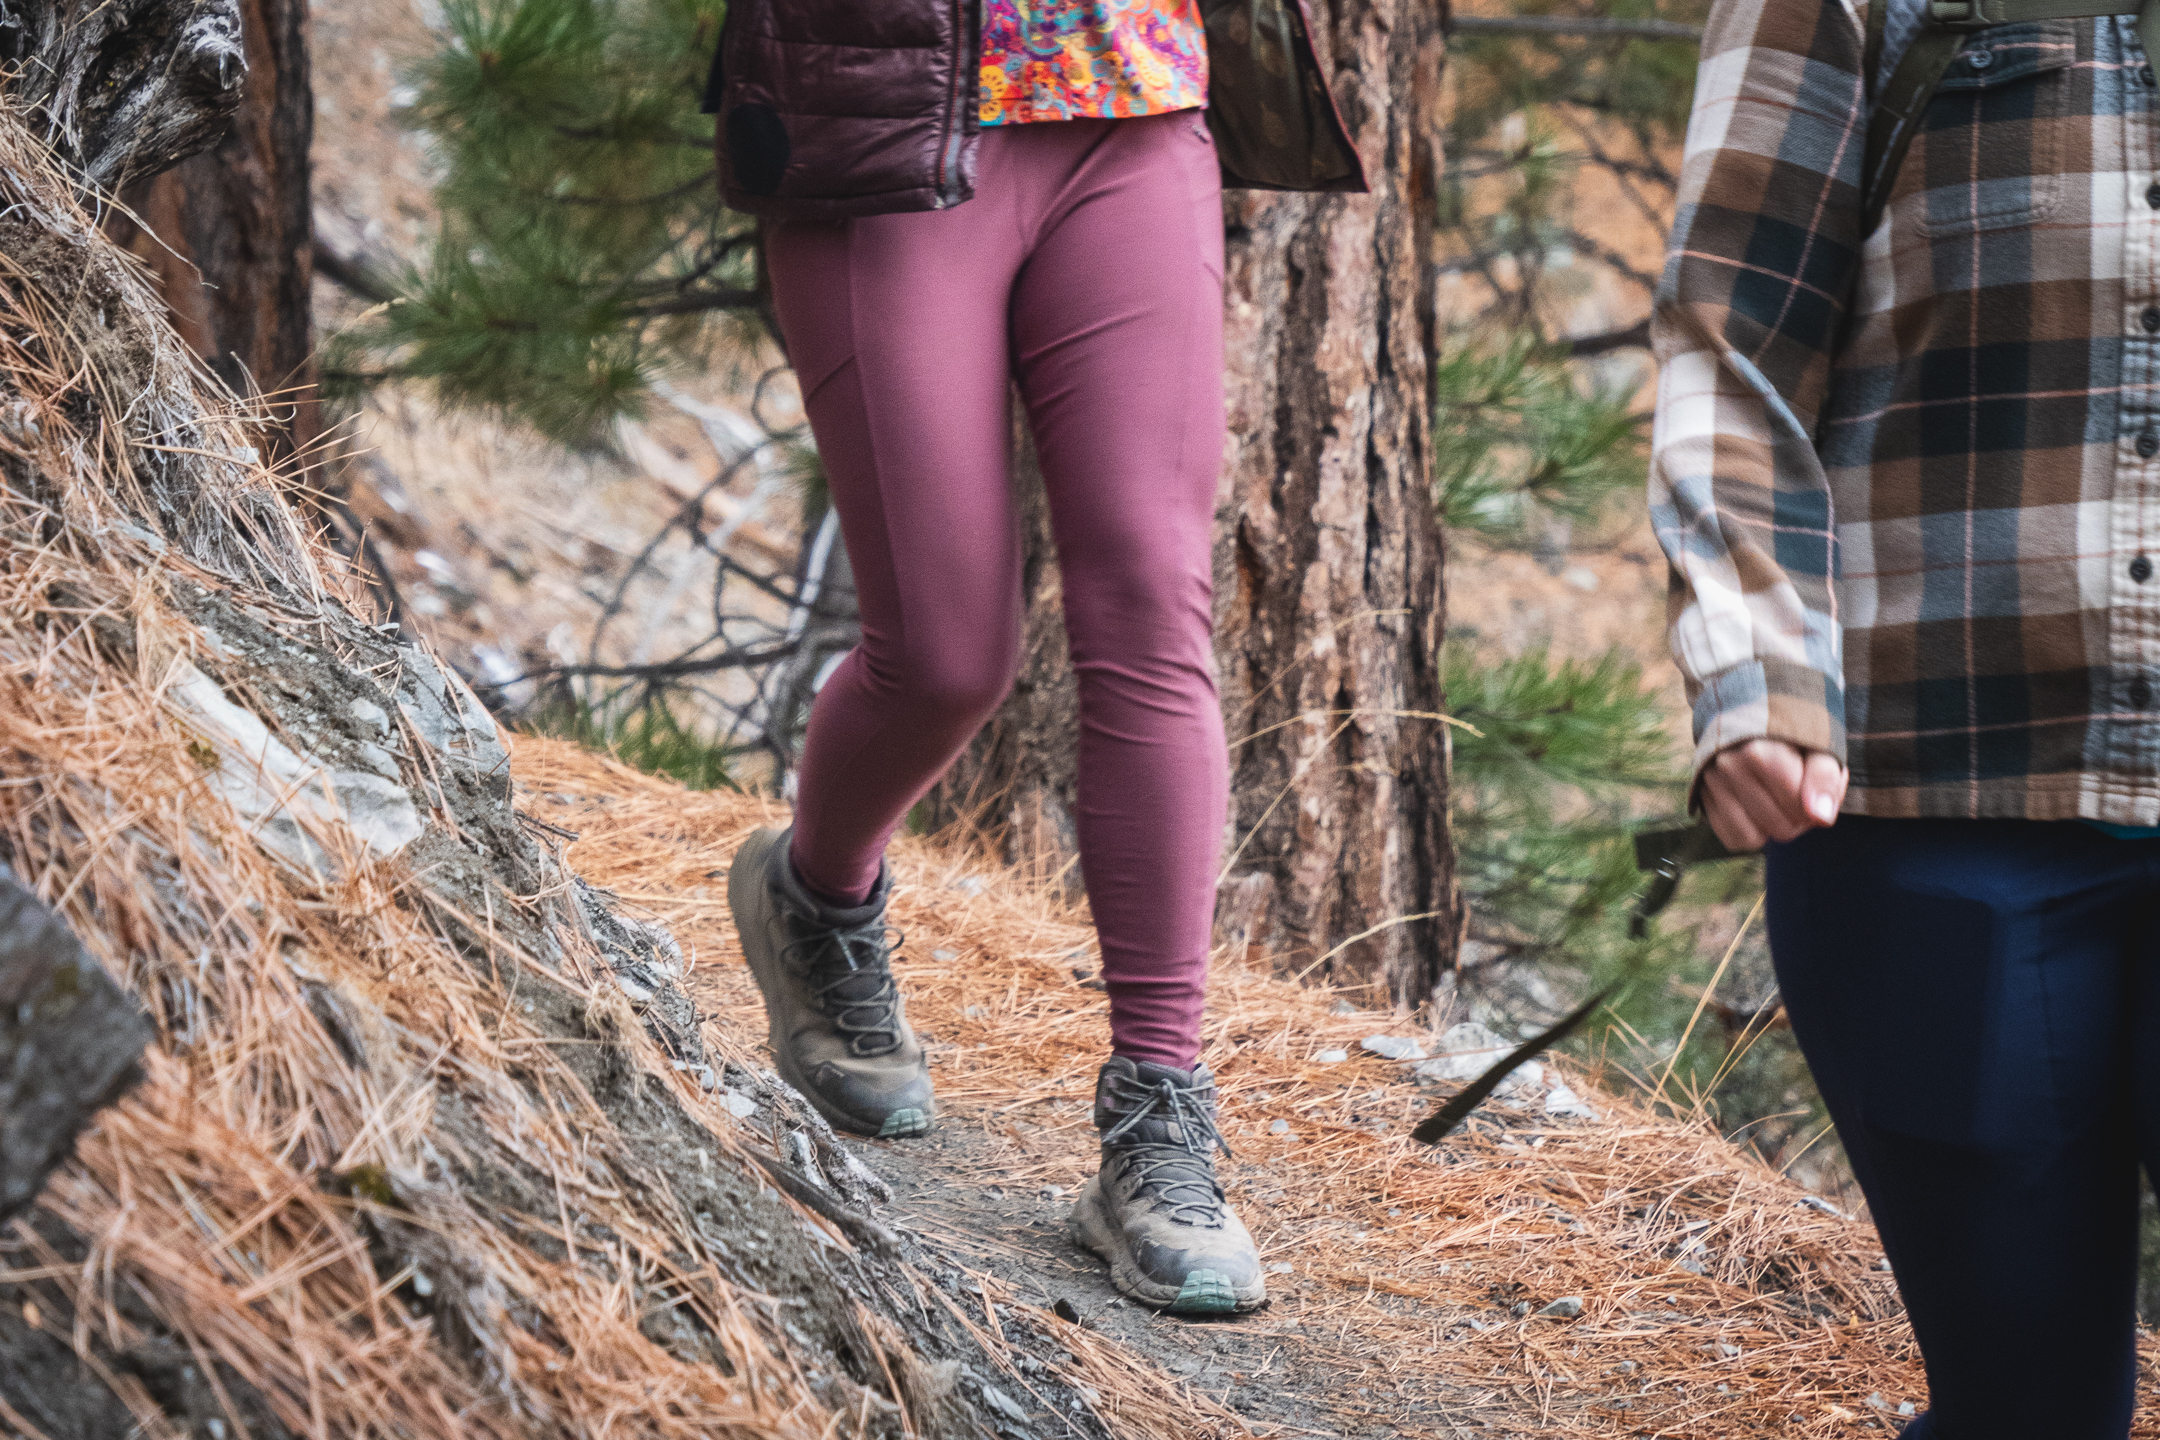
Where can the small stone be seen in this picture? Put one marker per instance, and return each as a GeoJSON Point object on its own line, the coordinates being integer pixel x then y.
{"type": "Point", "coordinates": [1876, 1402]}
{"type": "Point", "coordinates": [943, 955]}
{"type": "Point", "coordinates": [1468, 1050]}
{"type": "Point", "coordinates": [1724, 1389]}
{"type": "Point", "coordinates": [1052, 1192]}
{"type": "Point", "coordinates": [1278, 1127]}
{"type": "Point", "coordinates": [1520, 1309]}
{"type": "Point", "coordinates": [1331, 1057]}
{"type": "Point", "coordinates": [739, 1105]}
{"type": "Point", "coordinates": [1280, 1267]}
{"type": "Point", "coordinates": [974, 1012]}
{"type": "Point", "coordinates": [1394, 1212]}
{"type": "Point", "coordinates": [1342, 1007]}
{"type": "Point", "coordinates": [1562, 1101]}
{"type": "Point", "coordinates": [1567, 1307]}
{"type": "Point", "coordinates": [1906, 1407]}
{"type": "Point", "coordinates": [999, 1401]}
{"type": "Point", "coordinates": [1581, 577]}
{"type": "Point", "coordinates": [1730, 1352]}
{"type": "Point", "coordinates": [1393, 1047]}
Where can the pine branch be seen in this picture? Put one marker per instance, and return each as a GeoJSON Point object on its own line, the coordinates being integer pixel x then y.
{"type": "Point", "coordinates": [1587, 345]}
{"type": "Point", "coordinates": [697, 302]}
{"type": "Point", "coordinates": [1601, 251]}
{"type": "Point", "coordinates": [355, 273]}
{"type": "Point", "coordinates": [1587, 27]}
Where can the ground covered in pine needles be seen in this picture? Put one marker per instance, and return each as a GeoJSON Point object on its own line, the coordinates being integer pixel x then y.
{"type": "Point", "coordinates": [426, 1145]}
{"type": "Point", "coordinates": [1718, 1298]}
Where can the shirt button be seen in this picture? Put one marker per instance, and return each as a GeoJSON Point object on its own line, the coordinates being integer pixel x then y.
{"type": "Point", "coordinates": [1980, 59]}
{"type": "Point", "coordinates": [2152, 196]}
{"type": "Point", "coordinates": [2148, 443]}
{"type": "Point", "coordinates": [2146, 74]}
{"type": "Point", "coordinates": [2141, 569]}
{"type": "Point", "coordinates": [2140, 694]}
{"type": "Point", "coordinates": [2150, 319]}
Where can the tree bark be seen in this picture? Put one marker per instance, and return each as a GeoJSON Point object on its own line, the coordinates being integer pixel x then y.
{"type": "Point", "coordinates": [124, 88]}
{"type": "Point", "coordinates": [1329, 601]}
{"type": "Point", "coordinates": [230, 232]}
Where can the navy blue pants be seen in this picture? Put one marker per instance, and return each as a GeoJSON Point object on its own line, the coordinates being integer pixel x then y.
{"type": "Point", "coordinates": [1980, 1003]}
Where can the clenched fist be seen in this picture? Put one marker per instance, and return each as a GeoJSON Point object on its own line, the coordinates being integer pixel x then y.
{"type": "Point", "coordinates": [1769, 790]}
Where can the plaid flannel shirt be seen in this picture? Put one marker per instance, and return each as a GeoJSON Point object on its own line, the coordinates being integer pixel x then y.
{"type": "Point", "coordinates": [1909, 482]}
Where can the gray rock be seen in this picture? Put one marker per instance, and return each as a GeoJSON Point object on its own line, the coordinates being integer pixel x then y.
{"type": "Point", "coordinates": [1331, 1057]}
{"type": "Point", "coordinates": [1562, 1101]}
{"type": "Point", "coordinates": [69, 1043]}
{"type": "Point", "coordinates": [1393, 1047]}
{"type": "Point", "coordinates": [1468, 1050]}
{"type": "Point", "coordinates": [1004, 1404]}
{"type": "Point", "coordinates": [1567, 1307]}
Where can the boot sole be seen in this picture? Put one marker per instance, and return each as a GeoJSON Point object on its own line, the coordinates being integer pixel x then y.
{"type": "Point", "coordinates": [747, 897]}
{"type": "Point", "coordinates": [1204, 1292]}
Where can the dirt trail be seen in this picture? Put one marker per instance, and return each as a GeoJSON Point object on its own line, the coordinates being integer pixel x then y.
{"type": "Point", "coordinates": [1715, 1297]}
{"type": "Point", "coordinates": [1281, 1374]}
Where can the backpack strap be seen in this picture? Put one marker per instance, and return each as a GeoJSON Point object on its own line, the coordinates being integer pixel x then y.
{"type": "Point", "coordinates": [1897, 112]}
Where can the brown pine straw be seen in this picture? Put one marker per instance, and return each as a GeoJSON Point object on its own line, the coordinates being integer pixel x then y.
{"type": "Point", "coordinates": [282, 1194]}
{"type": "Point", "coordinates": [1407, 1263]}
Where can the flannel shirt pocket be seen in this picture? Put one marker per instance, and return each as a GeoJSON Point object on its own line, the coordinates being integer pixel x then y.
{"type": "Point", "coordinates": [1990, 149]}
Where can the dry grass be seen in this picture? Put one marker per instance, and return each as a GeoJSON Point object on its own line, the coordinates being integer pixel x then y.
{"type": "Point", "coordinates": [1406, 1263]}
{"type": "Point", "coordinates": [288, 1139]}
{"type": "Point", "coordinates": [369, 1185]}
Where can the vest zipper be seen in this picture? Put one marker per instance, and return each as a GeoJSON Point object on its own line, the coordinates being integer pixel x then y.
{"type": "Point", "coordinates": [954, 122]}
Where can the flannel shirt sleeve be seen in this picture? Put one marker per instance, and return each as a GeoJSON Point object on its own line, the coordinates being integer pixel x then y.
{"type": "Point", "coordinates": [1759, 271]}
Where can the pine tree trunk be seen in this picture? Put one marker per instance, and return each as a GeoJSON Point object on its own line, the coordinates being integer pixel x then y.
{"type": "Point", "coordinates": [1329, 603]}
{"type": "Point", "coordinates": [231, 230]}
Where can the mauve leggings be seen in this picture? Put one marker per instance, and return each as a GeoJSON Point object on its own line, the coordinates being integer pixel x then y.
{"type": "Point", "coordinates": [1089, 267]}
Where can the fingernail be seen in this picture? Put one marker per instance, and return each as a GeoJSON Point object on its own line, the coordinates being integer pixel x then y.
{"type": "Point", "coordinates": [1823, 809]}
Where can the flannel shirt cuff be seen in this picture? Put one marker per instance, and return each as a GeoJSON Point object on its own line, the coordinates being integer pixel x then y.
{"type": "Point", "coordinates": [1766, 700]}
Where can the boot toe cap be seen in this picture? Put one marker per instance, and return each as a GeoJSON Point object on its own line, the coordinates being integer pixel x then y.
{"type": "Point", "coordinates": [1176, 1265]}
{"type": "Point", "coordinates": [875, 1106]}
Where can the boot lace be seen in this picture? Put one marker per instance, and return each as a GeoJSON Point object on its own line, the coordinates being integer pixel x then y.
{"type": "Point", "coordinates": [1176, 1177]}
{"type": "Point", "coordinates": [849, 972]}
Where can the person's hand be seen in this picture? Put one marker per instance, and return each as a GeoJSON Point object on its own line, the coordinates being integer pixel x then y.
{"type": "Point", "coordinates": [1769, 790]}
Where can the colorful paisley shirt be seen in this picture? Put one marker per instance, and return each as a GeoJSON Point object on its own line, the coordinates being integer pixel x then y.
{"type": "Point", "coordinates": [1090, 59]}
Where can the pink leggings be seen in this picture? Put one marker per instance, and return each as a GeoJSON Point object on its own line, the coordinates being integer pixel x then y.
{"type": "Point", "coordinates": [1089, 267]}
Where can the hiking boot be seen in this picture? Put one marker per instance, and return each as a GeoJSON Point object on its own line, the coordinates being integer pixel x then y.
{"type": "Point", "coordinates": [1155, 1211]}
{"type": "Point", "coordinates": [838, 1033]}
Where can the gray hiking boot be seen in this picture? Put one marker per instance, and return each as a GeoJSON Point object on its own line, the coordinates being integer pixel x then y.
{"type": "Point", "coordinates": [1155, 1211]}
{"type": "Point", "coordinates": [838, 1033]}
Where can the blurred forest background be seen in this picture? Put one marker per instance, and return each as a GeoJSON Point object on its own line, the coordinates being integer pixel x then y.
{"type": "Point", "coordinates": [556, 427]}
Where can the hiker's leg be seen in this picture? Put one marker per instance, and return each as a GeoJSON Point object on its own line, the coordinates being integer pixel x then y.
{"type": "Point", "coordinates": [1961, 991]}
{"type": "Point", "coordinates": [1117, 338]}
{"type": "Point", "coordinates": [896, 325]}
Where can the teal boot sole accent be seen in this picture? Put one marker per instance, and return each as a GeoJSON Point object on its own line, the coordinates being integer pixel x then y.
{"type": "Point", "coordinates": [1205, 1292]}
{"type": "Point", "coordinates": [902, 1123]}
